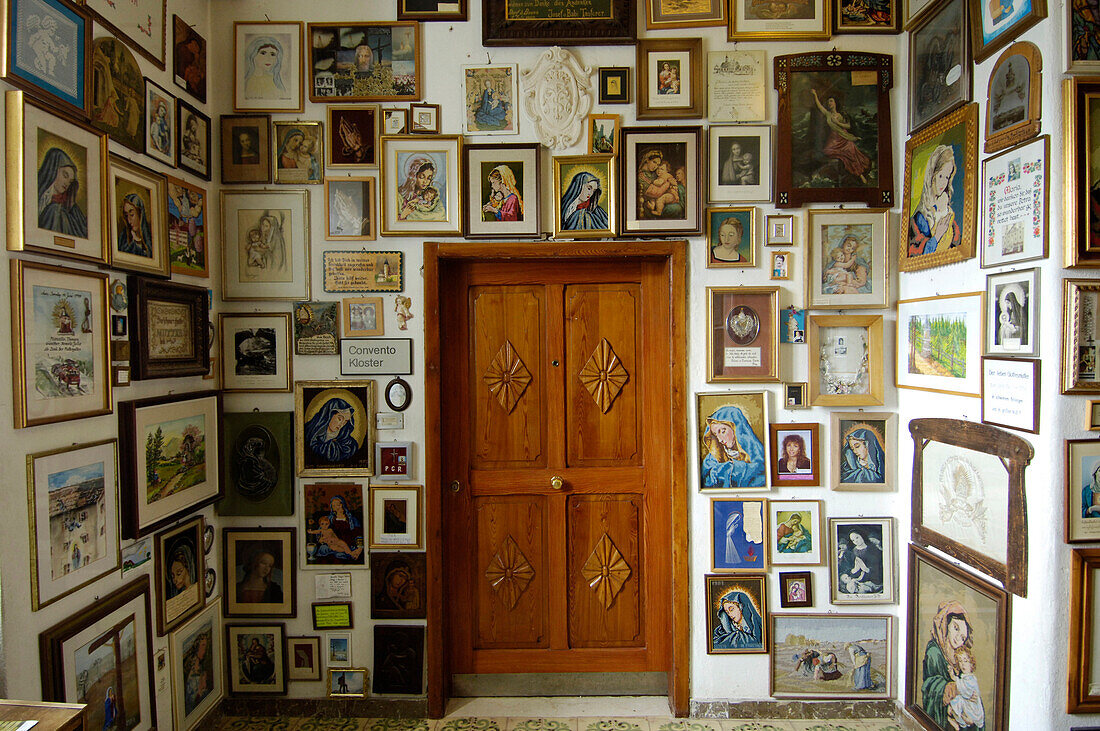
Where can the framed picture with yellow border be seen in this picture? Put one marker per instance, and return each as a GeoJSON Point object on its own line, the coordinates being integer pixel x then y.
{"type": "Point", "coordinates": [603, 134]}
{"type": "Point", "coordinates": [584, 188]}
{"type": "Point", "coordinates": [758, 22]}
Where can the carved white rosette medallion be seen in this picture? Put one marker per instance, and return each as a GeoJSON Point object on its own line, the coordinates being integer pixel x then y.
{"type": "Point", "coordinates": [557, 94]}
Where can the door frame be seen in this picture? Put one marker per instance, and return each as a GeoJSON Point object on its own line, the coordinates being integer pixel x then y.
{"type": "Point", "coordinates": [674, 256]}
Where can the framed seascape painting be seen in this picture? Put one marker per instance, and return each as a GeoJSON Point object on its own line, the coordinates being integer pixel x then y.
{"type": "Point", "coordinates": [881, 16]}
{"type": "Point", "coordinates": [142, 24]}
{"type": "Point", "coordinates": [73, 501]}
{"type": "Point", "coordinates": [670, 78]}
{"type": "Point", "coordinates": [65, 164]}
{"type": "Point", "coordinates": [195, 651]}
{"type": "Point", "coordinates": [257, 469]}
{"type": "Point", "coordinates": [117, 93]}
{"type": "Point", "coordinates": [1012, 311]}
{"type": "Point", "coordinates": [796, 455]}
{"type": "Point", "coordinates": [502, 190]}
{"type": "Point", "coordinates": [395, 516]}
{"type": "Point", "coordinates": [49, 63]}
{"type": "Point", "coordinates": [304, 654]}
{"type": "Point", "coordinates": [260, 573]}
{"type": "Point", "coordinates": [938, 208]}
{"type": "Point", "coordinates": [256, 659]}
{"type": "Point", "coordinates": [299, 157]}
{"type": "Point", "coordinates": [1014, 210]}
{"type": "Point", "coordinates": [1015, 97]}
{"type": "Point", "coordinates": [180, 571]}
{"type": "Point", "coordinates": [589, 23]}
{"type": "Point", "coordinates": [193, 149]}
{"type": "Point", "coordinates": [862, 561]}
{"type": "Point", "coordinates": [737, 87]}
{"type": "Point", "coordinates": [398, 659]}
{"type": "Point", "coordinates": [188, 241]}
{"type": "Point", "coordinates": [841, 149]}
{"type": "Point", "coordinates": [823, 656]}
{"type": "Point", "coordinates": [352, 135]}
{"type": "Point", "coordinates": [1084, 689]}
{"type": "Point", "coordinates": [350, 210]}
{"type": "Point", "coordinates": [796, 537]}
{"type": "Point", "coordinates": [188, 59]}
{"type": "Point", "coordinates": [60, 364]}
{"type": "Point", "coordinates": [431, 10]}
{"type": "Point", "coordinates": [160, 124]}
{"type": "Point", "coordinates": [940, 342]}
{"type": "Point", "coordinates": [246, 148]}
{"type": "Point", "coordinates": [169, 329]}
{"type": "Point", "coordinates": [801, 21]}
{"type": "Point", "coordinates": [334, 532]}
{"type": "Point", "coordinates": [662, 192]}
{"type": "Point", "coordinates": [364, 62]}
{"type": "Point", "coordinates": [939, 63]}
{"type": "Point", "coordinates": [138, 218]}
{"type": "Point", "coordinates": [847, 265]}
{"type": "Point", "coordinates": [490, 93]}
{"type": "Point", "coordinates": [737, 611]}
{"type": "Point", "coordinates": [267, 67]}
{"type": "Point", "coordinates": [995, 25]}
{"type": "Point", "coordinates": [1082, 505]}
{"type": "Point", "coordinates": [731, 237]}
{"type": "Point", "coordinates": [421, 185]}
{"type": "Point", "coordinates": [732, 445]}
{"type": "Point", "coordinates": [584, 188]}
{"type": "Point", "coordinates": [255, 352]}
{"type": "Point", "coordinates": [968, 496]}
{"type": "Point", "coordinates": [743, 334]}
{"type": "Point", "coordinates": [740, 163]}
{"type": "Point", "coordinates": [847, 353]}
{"type": "Point", "coordinates": [662, 14]}
{"type": "Point", "coordinates": [334, 428]}
{"type": "Point", "coordinates": [398, 585]}
{"type": "Point", "coordinates": [796, 589]}
{"type": "Point", "coordinates": [102, 656]}
{"type": "Point", "coordinates": [739, 534]}
{"type": "Point", "coordinates": [265, 245]}
{"type": "Point", "coordinates": [863, 454]}
{"type": "Point", "coordinates": [170, 448]}
{"type": "Point", "coordinates": [957, 652]}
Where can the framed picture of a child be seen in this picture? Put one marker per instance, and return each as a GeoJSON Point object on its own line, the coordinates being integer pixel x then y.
{"type": "Point", "coordinates": [661, 192]}
{"type": "Point", "coordinates": [421, 185]}
{"type": "Point", "coordinates": [846, 262]}
{"type": "Point", "coordinates": [334, 532]}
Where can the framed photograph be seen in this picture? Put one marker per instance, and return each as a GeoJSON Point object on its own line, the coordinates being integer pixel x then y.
{"type": "Point", "coordinates": [847, 352]}
{"type": "Point", "coordinates": [59, 73]}
{"type": "Point", "coordinates": [731, 429]}
{"type": "Point", "coordinates": [940, 341]}
{"type": "Point", "coordinates": [1015, 97]}
{"type": "Point", "coordinates": [781, 265]}
{"type": "Point", "coordinates": [862, 561]}
{"type": "Point", "coordinates": [193, 148]}
{"type": "Point", "coordinates": [348, 682]}
{"type": "Point", "coordinates": [169, 329]}
{"type": "Point", "coordinates": [299, 157]}
{"type": "Point", "coordinates": [584, 187]}
{"type": "Point", "coordinates": [796, 537]}
{"type": "Point", "coordinates": [265, 245]}
{"type": "Point", "coordinates": [259, 570]}
{"type": "Point", "coordinates": [188, 241]}
{"type": "Point", "coordinates": [395, 121]}
{"type": "Point", "coordinates": [533, 24]}
{"type": "Point", "coordinates": [968, 496]}
{"type": "Point", "coordinates": [159, 485]}
{"type": "Point", "coordinates": [393, 461]}
{"type": "Point", "coordinates": [338, 649]}
{"type": "Point", "coordinates": [395, 516]}
{"type": "Point", "coordinates": [841, 151]}
{"type": "Point", "coordinates": [995, 26]}
{"type": "Point", "coordinates": [1082, 490]}
{"type": "Point", "coordinates": [1083, 694]}
{"type": "Point", "coordinates": [257, 471]}
{"type": "Point", "coordinates": [661, 14]}
{"type": "Point", "coordinates": [188, 59]}
{"type": "Point", "coordinates": [332, 615]}
{"type": "Point", "coordinates": [939, 63]}
{"type": "Point", "coordinates": [350, 210]}
{"type": "Point", "coordinates": [363, 317]}
{"type": "Point", "coordinates": [812, 653]}
{"type": "Point", "coordinates": [197, 667]}
{"type": "Point", "coordinates": [399, 659]}
{"type": "Point", "coordinates": [739, 534]}
{"type": "Point", "coordinates": [1010, 393]}
{"type": "Point", "coordinates": [740, 163]}
{"type": "Point", "coordinates": [795, 396]}
{"type": "Point", "coordinates": [118, 90]}
{"type": "Point", "coordinates": [334, 428]}
{"type": "Point", "coordinates": [316, 328]}
{"type": "Point", "coordinates": [431, 10]}
{"type": "Point", "coordinates": [398, 394]}
{"type": "Point", "coordinates": [267, 66]}
{"type": "Point", "coordinates": [102, 653]}
{"type": "Point", "coordinates": [670, 78]}
{"type": "Point", "coordinates": [957, 627]}
{"type": "Point", "coordinates": [502, 190]}
{"type": "Point", "coordinates": [73, 501]}
{"type": "Point", "coordinates": [1012, 311]}
{"type": "Point", "coordinates": [160, 121]}
{"type": "Point", "coordinates": [796, 589]}
{"type": "Point", "coordinates": [850, 16]}
{"type": "Point", "coordinates": [847, 267]}
{"type": "Point", "coordinates": [141, 24]}
{"type": "Point", "coordinates": [255, 352]}
{"type": "Point", "coordinates": [398, 585]}
{"type": "Point", "coordinates": [60, 363]}
{"type": "Point", "coordinates": [737, 608]}
{"type": "Point", "coordinates": [490, 94]}
{"type": "Point", "coordinates": [779, 230]}
{"type": "Point", "coordinates": [731, 237]}
{"type": "Point", "coordinates": [863, 455]}
{"type": "Point", "coordinates": [737, 87]}
{"type": "Point", "coordinates": [180, 570]}
{"type": "Point", "coordinates": [351, 137]}
{"type": "Point", "coordinates": [758, 21]}
{"type": "Point", "coordinates": [383, 64]}
{"type": "Point", "coordinates": [334, 532]}
{"type": "Point", "coordinates": [603, 133]}
{"type": "Point", "coordinates": [138, 218]}
{"type": "Point", "coordinates": [661, 189]}
{"type": "Point", "coordinates": [796, 455]}
{"type": "Point", "coordinates": [743, 334]}
{"type": "Point", "coordinates": [938, 211]}
{"type": "Point", "coordinates": [1080, 299]}
{"type": "Point", "coordinates": [304, 654]}
{"type": "Point", "coordinates": [256, 658]}
{"type": "Point", "coordinates": [1014, 211]}
{"type": "Point", "coordinates": [246, 148]}
{"type": "Point", "coordinates": [421, 185]}
{"type": "Point", "coordinates": [363, 271]}
{"type": "Point", "coordinates": [614, 84]}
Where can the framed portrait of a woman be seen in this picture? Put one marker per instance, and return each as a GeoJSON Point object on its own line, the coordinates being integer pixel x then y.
{"type": "Point", "coordinates": [737, 611]}
{"type": "Point", "coordinates": [258, 566]}
{"type": "Point", "coordinates": [662, 181]}
{"type": "Point", "coordinates": [584, 190]}
{"type": "Point", "coordinates": [863, 454]}
{"type": "Point", "coordinates": [733, 446]}
{"type": "Point", "coordinates": [502, 191]}
{"type": "Point", "coordinates": [138, 216]}
{"type": "Point", "coordinates": [334, 428]}
{"type": "Point", "coordinates": [862, 560]}
{"type": "Point", "coordinates": [299, 152]}
{"type": "Point", "coordinates": [265, 245]}
{"type": "Point", "coordinates": [267, 66]}
{"type": "Point", "coordinates": [180, 570]}
{"type": "Point", "coordinates": [796, 455]}
{"type": "Point", "coordinates": [731, 237]}
{"type": "Point", "coordinates": [846, 263]}
{"type": "Point", "coordinates": [421, 185]}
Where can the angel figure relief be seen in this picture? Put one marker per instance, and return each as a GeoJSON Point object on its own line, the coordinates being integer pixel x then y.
{"type": "Point", "coordinates": [962, 498]}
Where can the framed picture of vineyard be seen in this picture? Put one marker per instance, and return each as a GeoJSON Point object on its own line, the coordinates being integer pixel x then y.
{"type": "Point", "coordinates": [940, 341]}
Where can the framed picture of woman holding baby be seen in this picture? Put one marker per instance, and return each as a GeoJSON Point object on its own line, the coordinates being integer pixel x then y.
{"type": "Point", "coordinates": [661, 192]}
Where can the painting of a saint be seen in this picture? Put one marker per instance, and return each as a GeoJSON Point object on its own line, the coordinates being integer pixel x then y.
{"type": "Point", "coordinates": [334, 525]}
{"type": "Point", "coordinates": [737, 616]}
{"type": "Point", "coordinates": [423, 194]}
{"type": "Point", "coordinates": [580, 204]}
{"type": "Point", "coordinates": [61, 197]}
{"type": "Point", "coordinates": [662, 182]}
{"type": "Point", "coordinates": [836, 134]}
{"type": "Point", "coordinates": [734, 453]}
{"type": "Point", "coordinates": [862, 456]}
{"type": "Point", "coordinates": [505, 196]}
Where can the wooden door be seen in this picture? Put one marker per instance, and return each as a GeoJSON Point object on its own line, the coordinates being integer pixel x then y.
{"type": "Point", "coordinates": [555, 437]}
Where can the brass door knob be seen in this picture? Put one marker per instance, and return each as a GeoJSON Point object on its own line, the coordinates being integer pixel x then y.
{"type": "Point", "coordinates": [556, 482]}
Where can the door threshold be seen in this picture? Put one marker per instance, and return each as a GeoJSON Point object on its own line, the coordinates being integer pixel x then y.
{"type": "Point", "coordinates": [560, 707]}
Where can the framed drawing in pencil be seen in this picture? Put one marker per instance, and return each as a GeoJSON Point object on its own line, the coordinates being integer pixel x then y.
{"type": "Point", "coordinates": [267, 66]}
{"type": "Point", "coordinates": [255, 352]}
{"type": "Point", "coordinates": [265, 245]}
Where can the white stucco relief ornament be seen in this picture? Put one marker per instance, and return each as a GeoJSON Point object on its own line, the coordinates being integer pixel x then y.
{"type": "Point", "coordinates": [557, 94]}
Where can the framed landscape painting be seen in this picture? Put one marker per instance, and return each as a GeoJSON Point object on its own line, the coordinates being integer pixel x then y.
{"type": "Point", "coordinates": [940, 342]}
{"type": "Point", "coordinates": [822, 656]}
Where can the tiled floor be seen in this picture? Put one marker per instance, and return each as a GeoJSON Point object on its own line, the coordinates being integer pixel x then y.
{"type": "Point", "coordinates": [552, 724]}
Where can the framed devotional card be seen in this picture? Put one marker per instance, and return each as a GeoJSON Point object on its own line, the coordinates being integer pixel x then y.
{"type": "Point", "coordinates": [180, 571]}
{"type": "Point", "coordinates": [740, 163]}
{"type": "Point", "coordinates": [584, 191]}
{"type": "Point", "coordinates": [246, 148]}
{"type": "Point", "coordinates": [193, 148]}
{"type": "Point", "coordinates": [743, 334]}
{"type": "Point", "coordinates": [364, 62]}
{"type": "Point", "coordinates": [160, 124]}
{"type": "Point", "coordinates": [939, 68]}
{"type": "Point", "coordinates": [862, 561]}
{"type": "Point", "coordinates": [393, 461]}
{"type": "Point", "coordinates": [49, 63]}
{"type": "Point", "coordinates": [810, 20]}
{"type": "Point", "coordinates": [255, 352]}
{"type": "Point", "coordinates": [1012, 313]}
{"type": "Point", "coordinates": [614, 84]}
{"type": "Point", "coordinates": [733, 448]}
{"type": "Point", "coordinates": [421, 185]}
{"type": "Point", "coordinates": [670, 78]}
{"type": "Point", "coordinates": [170, 328]}
{"type": "Point", "coordinates": [267, 66]}
{"type": "Point", "coordinates": [739, 534]}
{"type": "Point", "coordinates": [138, 218]}
{"type": "Point", "coordinates": [940, 341]}
{"type": "Point", "coordinates": [737, 612]}
{"type": "Point", "coordinates": [993, 26]}
{"type": "Point", "coordinates": [395, 516]}
{"type": "Point", "coordinates": [1014, 211]}
{"type": "Point", "coordinates": [196, 654]}
{"type": "Point", "coordinates": [188, 59]}
{"type": "Point", "coordinates": [299, 157]}
{"type": "Point", "coordinates": [847, 265]}
{"type": "Point", "coordinates": [189, 240]}
{"type": "Point", "coordinates": [863, 452]}
{"type": "Point", "coordinates": [796, 589]}
{"type": "Point", "coordinates": [1082, 506]}
{"type": "Point", "coordinates": [797, 537]}
{"type": "Point", "coordinates": [334, 428]}
{"type": "Point", "coordinates": [502, 190]}
{"type": "Point", "coordinates": [265, 245]}
{"type": "Point", "coordinates": [845, 360]}
{"type": "Point", "coordinates": [796, 455]}
{"type": "Point", "coordinates": [490, 94]}
{"type": "Point", "coordinates": [1015, 97]}
{"type": "Point", "coordinates": [352, 135]}
{"type": "Point", "coordinates": [662, 191]}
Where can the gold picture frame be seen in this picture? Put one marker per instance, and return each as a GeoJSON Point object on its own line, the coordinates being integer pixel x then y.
{"type": "Point", "coordinates": [356, 319]}
{"type": "Point", "coordinates": [318, 406]}
{"type": "Point", "coordinates": [848, 373]}
{"type": "Point", "coordinates": [1009, 124]}
{"type": "Point", "coordinates": [137, 216]}
{"type": "Point", "coordinates": [1081, 113]}
{"type": "Point", "coordinates": [601, 213]}
{"type": "Point", "coordinates": [1080, 302]}
{"type": "Point", "coordinates": [1084, 564]}
{"type": "Point", "coordinates": [287, 156]}
{"type": "Point", "coordinates": [396, 517]}
{"type": "Point", "coordinates": [742, 27]}
{"type": "Point", "coordinates": [743, 334]}
{"type": "Point", "coordinates": [662, 14]}
{"type": "Point", "coordinates": [333, 682]}
{"type": "Point", "coordinates": [407, 206]}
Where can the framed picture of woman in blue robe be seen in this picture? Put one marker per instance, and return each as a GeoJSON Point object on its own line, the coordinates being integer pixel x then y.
{"type": "Point", "coordinates": [584, 187]}
{"type": "Point", "coordinates": [862, 456]}
{"type": "Point", "coordinates": [862, 560]}
{"type": "Point", "coordinates": [334, 428]}
{"type": "Point", "coordinates": [491, 92]}
{"type": "Point", "coordinates": [739, 531]}
{"type": "Point", "coordinates": [736, 615]}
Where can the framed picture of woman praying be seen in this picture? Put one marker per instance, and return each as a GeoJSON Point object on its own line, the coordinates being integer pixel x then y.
{"type": "Point", "coordinates": [334, 428]}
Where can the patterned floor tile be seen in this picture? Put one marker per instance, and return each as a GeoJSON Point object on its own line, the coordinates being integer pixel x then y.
{"type": "Point", "coordinates": [258, 724]}
{"type": "Point", "coordinates": [827, 725]}
{"type": "Point", "coordinates": [684, 724]}
{"type": "Point", "coordinates": [755, 724]}
{"type": "Point", "coordinates": [542, 724]}
{"type": "Point", "coordinates": [472, 724]}
{"type": "Point", "coordinates": [330, 724]}
{"type": "Point", "coordinates": [398, 724]}
{"type": "Point", "coordinates": [612, 724]}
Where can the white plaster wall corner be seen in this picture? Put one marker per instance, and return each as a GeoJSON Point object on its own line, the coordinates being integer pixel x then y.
{"type": "Point", "coordinates": [557, 94]}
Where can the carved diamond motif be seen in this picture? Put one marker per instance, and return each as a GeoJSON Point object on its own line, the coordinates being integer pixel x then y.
{"type": "Point", "coordinates": [509, 573]}
{"type": "Point", "coordinates": [606, 571]}
{"type": "Point", "coordinates": [507, 377]}
{"type": "Point", "coordinates": [604, 375]}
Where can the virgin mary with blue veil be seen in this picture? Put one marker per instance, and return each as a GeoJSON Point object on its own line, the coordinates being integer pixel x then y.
{"type": "Point", "coordinates": [863, 459]}
{"type": "Point", "coordinates": [733, 454]}
{"type": "Point", "coordinates": [580, 205]}
{"type": "Point", "coordinates": [58, 186]}
{"type": "Point", "coordinates": [329, 431]}
{"type": "Point", "coordinates": [739, 624]}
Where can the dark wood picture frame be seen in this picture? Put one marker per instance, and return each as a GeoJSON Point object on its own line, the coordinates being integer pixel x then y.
{"type": "Point", "coordinates": [1080, 97]}
{"type": "Point", "coordinates": [635, 141]}
{"type": "Point", "coordinates": [619, 74]}
{"type": "Point", "coordinates": [231, 127]}
{"type": "Point", "coordinates": [936, 47]}
{"type": "Point", "coordinates": [416, 10]}
{"type": "Point", "coordinates": [785, 599]}
{"type": "Point", "coordinates": [398, 583]}
{"type": "Point", "coordinates": [1084, 562]}
{"type": "Point", "coordinates": [145, 294]}
{"type": "Point", "coordinates": [833, 70]}
{"type": "Point", "coordinates": [986, 47]}
{"type": "Point", "coordinates": [183, 162]}
{"type": "Point", "coordinates": [619, 27]}
{"type": "Point", "coordinates": [180, 546]}
{"type": "Point", "coordinates": [318, 55]}
{"type": "Point", "coordinates": [278, 598]}
{"type": "Point", "coordinates": [1013, 130]}
{"type": "Point", "coordinates": [750, 596]}
{"type": "Point", "coordinates": [695, 88]}
{"type": "Point", "coordinates": [401, 646]}
{"type": "Point", "coordinates": [278, 663]}
{"type": "Point", "coordinates": [1015, 454]}
{"type": "Point", "coordinates": [812, 454]}
{"type": "Point", "coordinates": [185, 59]}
